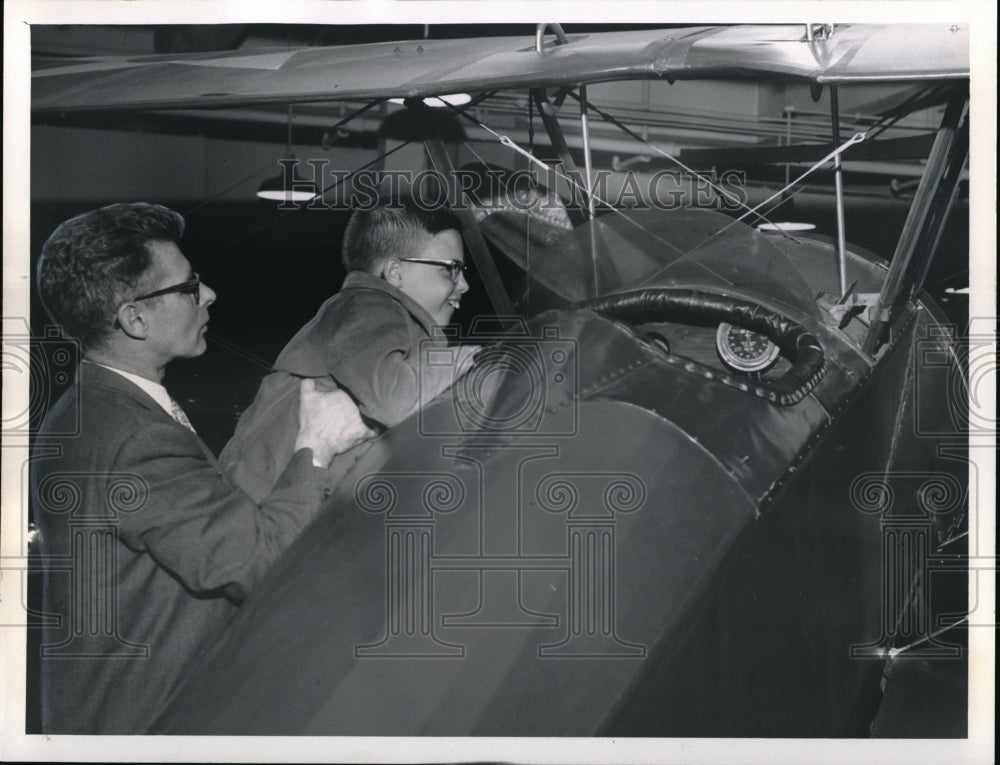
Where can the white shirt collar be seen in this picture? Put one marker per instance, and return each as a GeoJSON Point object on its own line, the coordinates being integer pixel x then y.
{"type": "Point", "coordinates": [156, 391]}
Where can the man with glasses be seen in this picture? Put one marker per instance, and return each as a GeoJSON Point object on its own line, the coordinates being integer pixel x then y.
{"type": "Point", "coordinates": [147, 546]}
{"type": "Point", "coordinates": [405, 278]}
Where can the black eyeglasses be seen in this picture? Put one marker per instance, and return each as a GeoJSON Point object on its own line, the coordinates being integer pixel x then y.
{"type": "Point", "coordinates": [191, 287]}
{"type": "Point", "coordinates": [455, 267]}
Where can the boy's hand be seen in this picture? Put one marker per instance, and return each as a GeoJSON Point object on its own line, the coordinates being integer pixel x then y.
{"type": "Point", "coordinates": [329, 423]}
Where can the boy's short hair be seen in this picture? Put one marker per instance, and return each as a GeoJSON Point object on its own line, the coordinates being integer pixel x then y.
{"type": "Point", "coordinates": [93, 263]}
{"type": "Point", "coordinates": [387, 230]}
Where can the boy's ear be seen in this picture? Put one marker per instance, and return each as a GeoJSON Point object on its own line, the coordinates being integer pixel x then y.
{"type": "Point", "coordinates": [131, 320]}
{"type": "Point", "coordinates": [392, 272]}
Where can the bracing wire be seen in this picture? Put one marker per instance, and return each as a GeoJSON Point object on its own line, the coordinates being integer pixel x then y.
{"type": "Point", "coordinates": [512, 145]}
{"type": "Point", "coordinates": [857, 138]}
{"type": "Point", "coordinates": [261, 168]}
{"type": "Point", "coordinates": [286, 213]}
{"type": "Point", "coordinates": [337, 181]}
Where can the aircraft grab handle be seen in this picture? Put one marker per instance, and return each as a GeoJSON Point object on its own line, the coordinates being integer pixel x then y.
{"type": "Point", "coordinates": [540, 35]}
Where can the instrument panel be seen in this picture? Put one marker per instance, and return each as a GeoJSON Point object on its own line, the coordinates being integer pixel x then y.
{"type": "Point", "coordinates": [725, 347]}
{"type": "Point", "coordinates": [743, 350]}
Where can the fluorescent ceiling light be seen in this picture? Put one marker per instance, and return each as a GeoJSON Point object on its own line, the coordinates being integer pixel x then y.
{"type": "Point", "coordinates": [786, 226]}
{"type": "Point", "coordinates": [285, 195]}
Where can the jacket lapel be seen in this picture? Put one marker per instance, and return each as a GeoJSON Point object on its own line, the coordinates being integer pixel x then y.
{"type": "Point", "coordinates": [97, 376]}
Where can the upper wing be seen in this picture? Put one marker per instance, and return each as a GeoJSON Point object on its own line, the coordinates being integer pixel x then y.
{"type": "Point", "coordinates": [852, 53]}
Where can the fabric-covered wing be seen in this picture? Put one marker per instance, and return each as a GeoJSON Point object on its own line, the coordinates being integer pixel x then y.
{"type": "Point", "coordinates": [433, 67]}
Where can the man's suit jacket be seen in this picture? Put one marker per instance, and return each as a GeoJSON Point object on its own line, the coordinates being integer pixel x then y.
{"type": "Point", "coordinates": [146, 547]}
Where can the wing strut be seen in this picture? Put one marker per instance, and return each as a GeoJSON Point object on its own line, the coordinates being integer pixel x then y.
{"type": "Point", "coordinates": [588, 171]}
{"type": "Point", "coordinates": [946, 158]}
{"type": "Point", "coordinates": [838, 181]}
{"type": "Point", "coordinates": [548, 112]}
{"type": "Point", "coordinates": [949, 186]}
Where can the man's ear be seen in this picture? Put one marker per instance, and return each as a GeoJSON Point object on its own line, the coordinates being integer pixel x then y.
{"type": "Point", "coordinates": [392, 272]}
{"type": "Point", "coordinates": [132, 321]}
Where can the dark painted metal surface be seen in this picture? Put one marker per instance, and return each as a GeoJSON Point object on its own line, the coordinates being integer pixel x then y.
{"type": "Point", "coordinates": [589, 536]}
{"type": "Point", "coordinates": [599, 570]}
{"type": "Point", "coordinates": [784, 644]}
{"type": "Point", "coordinates": [503, 561]}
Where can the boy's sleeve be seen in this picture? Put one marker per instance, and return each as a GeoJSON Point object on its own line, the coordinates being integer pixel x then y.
{"type": "Point", "coordinates": [374, 355]}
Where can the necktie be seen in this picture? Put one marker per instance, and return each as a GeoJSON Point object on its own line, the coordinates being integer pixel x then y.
{"type": "Point", "coordinates": [178, 413]}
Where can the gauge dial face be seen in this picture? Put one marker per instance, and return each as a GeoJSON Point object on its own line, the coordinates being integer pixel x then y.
{"type": "Point", "coordinates": [744, 350]}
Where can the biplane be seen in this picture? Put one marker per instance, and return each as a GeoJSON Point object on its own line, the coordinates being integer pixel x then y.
{"type": "Point", "coordinates": [702, 473]}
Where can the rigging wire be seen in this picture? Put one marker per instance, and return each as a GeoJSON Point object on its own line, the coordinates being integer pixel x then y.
{"type": "Point", "coordinates": [509, 143]}
{"type": "Point", "coordinates": [890, 118]}
{"type": "Point", "coordinates": [506, 141]}
{"type": "Point", "coordinates": [782, 193]}
{"type": "Point", "coordinates": [256, 172]}
{"type": "Point", "coordinates": [512, 145]}
{"type": "Point", "coordinates": [617, 123]}
{"type": "Point", "coordinates": [887, 120]}
{"type": "Point", "coordinates": [527, 224]}
{"type": "Point", "coordinates": [894, 652]}
{"type": "Point", "coordinates": [339, 179]}
{"type": "Point", "coordinates": [286, 213]}
{"type": "Point", "coordinates": [237, 350]}
{"type": "Point", "coordinates": [857, 138]}
{"type": "Point", "coordinates": [895, 114]}
{"type": "Point", "coordinates": [916, 592]}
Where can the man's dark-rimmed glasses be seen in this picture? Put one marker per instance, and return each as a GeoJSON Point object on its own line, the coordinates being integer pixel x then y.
{"type": "Point", "coordinates": [191, 287]}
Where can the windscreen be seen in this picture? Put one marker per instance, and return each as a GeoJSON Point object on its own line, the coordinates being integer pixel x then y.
{"type": "Point", "coordinates": [624, 250]}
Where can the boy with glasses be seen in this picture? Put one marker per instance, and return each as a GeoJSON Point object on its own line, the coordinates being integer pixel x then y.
{"type": "Point", "coordinates": [406, 277]}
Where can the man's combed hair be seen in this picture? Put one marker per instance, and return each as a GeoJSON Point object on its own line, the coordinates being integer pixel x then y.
{"type": "Point", "coordinates": [96, 261]}
{"type": "Point", "coordinates": [390, 229]}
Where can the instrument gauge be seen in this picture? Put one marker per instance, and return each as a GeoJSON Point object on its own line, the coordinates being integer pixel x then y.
{"type": "Point", "coordinates": [744, 350]}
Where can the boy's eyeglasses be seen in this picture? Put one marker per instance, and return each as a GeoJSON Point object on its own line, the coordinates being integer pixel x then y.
{"type": "Point", "coordinates": [455, 267]}
{"type": "Point", "coordinates": [191, 287]}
